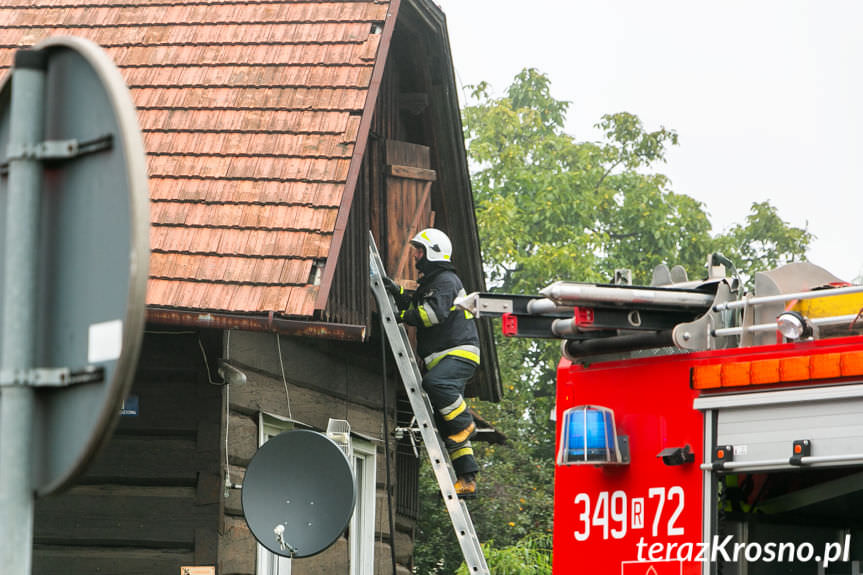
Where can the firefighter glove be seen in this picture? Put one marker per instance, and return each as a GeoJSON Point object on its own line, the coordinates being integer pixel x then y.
{"type": "Point", "coordinates": [392, 286]}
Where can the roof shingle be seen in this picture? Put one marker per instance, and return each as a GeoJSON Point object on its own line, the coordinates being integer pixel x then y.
{"type": "Point", "coordinates": [250, 114]}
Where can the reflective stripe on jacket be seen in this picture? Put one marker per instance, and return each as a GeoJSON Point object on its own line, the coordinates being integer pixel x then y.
{"type": "Point", "coordinates": [442, 329]}
{"type": "Point", "coordinates": [469, 352]}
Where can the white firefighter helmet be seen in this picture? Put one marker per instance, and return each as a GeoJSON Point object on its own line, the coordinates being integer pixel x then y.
{"type": "Point", "coordinates": [437, 246]}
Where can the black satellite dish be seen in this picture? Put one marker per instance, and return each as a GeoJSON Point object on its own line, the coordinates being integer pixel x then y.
{"type": "Point", "coordinates": [298, 493]}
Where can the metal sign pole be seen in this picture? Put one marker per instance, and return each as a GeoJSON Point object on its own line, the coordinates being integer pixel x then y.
{"type": "Point", "coordinates": [17, 355]}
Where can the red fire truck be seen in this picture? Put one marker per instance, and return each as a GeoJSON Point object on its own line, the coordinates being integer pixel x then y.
{"type": "Point", "coordinates": [701, 430]}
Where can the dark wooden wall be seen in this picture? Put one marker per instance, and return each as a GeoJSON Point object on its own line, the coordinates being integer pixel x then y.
{"type": "Point", "coordinates": [150, 502]}
{"type": "Point", "coordinates": [349, 296]}
{"type": "Point", "coordinates": [324, 380]}
{"type": "Point", "coordinates": [384, 202]}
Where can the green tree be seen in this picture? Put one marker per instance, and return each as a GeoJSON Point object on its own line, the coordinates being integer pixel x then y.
{"type": "Point", "coordinates": [552, 208]}
{"type": "Point", "coordinates": [763, 242]}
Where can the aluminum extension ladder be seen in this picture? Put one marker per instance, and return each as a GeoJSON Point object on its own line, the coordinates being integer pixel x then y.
{"type": "Point", "coordinates": [437, 453]}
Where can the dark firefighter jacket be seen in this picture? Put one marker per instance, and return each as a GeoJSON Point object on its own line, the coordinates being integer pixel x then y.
{"type": "Point", "coordinates": [442, 329]}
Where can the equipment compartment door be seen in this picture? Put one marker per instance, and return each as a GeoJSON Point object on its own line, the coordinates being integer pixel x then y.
{"type": "Point", "coordinates": [774, 512]}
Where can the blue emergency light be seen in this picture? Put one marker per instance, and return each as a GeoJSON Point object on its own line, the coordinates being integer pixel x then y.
{"type": "Point", "coordinates": [588, 435]}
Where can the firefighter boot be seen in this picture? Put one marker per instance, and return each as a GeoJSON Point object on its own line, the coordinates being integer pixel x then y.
{"type": "Point", "coordinates": [465, 487]}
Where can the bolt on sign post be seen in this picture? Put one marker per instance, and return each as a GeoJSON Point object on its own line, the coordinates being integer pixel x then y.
{"type": "Point", "coordinates": [74, 227]}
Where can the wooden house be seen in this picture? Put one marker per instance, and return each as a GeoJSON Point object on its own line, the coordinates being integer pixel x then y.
{"type": "Point", "coordinates": [277, 133]}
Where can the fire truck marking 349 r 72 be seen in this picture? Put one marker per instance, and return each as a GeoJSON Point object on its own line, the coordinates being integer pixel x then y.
{"type": "Point", "coordinates": [701, 430]}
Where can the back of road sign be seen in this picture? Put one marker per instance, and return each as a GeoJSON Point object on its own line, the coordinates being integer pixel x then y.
{"type": "Point", "coordinates": [93, 253]}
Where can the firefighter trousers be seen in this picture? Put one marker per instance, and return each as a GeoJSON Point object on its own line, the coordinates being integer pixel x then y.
{"type": "Point", "coordinates": [444, 384]}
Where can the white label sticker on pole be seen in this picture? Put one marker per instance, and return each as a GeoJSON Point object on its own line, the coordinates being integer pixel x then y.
{"type": "Point", "coordinates": [105, 341]}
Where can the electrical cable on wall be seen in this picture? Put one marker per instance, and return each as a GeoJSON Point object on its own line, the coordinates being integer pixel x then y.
{"type": "Point", "coordinates": [284, 379]}
{"type": "Point", "coordinates": [228, 483]}
{"type": "Point", "coordinates": [387, 448]}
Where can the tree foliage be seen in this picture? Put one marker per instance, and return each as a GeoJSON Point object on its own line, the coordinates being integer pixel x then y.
{"type": "Point", "coordinates": [764, 241]}
{"type": "Point", "coordinates": [531, 556]}
{"type": "Point", "coordinates": [552, 208]}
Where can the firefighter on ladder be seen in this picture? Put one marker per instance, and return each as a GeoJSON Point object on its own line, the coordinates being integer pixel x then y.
{"type": "Point", "coordinates": [448, 343]}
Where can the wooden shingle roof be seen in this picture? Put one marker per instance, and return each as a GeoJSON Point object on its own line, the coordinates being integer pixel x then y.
{"type": "Point", "coordinates": [251, 112]}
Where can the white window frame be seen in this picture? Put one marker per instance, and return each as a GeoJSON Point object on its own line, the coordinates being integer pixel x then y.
{"type": "Point", "coordinates": [268, 563]}
{"type": "Point", "coordinates": [361, 539]}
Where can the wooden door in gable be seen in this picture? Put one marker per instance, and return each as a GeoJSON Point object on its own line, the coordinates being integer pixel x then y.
{"type": "Point", "coordinates": [409, 180]}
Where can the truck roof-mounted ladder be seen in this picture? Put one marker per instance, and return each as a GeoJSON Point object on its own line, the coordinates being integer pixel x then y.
{"type": "Point", "coordinates": [434, 446]}
{"type": "Point", "coordinates": [600, 319]}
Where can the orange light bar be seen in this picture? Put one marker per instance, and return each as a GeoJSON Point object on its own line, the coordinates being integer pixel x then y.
{"type": "Point", "coordinates": [735, 374]}
{"type": "Point", "coordinates": [794, 368]}
{"type": "Point", "coordinates": [787, 369]}
{"type": "Point", "coordinates": [825, 365]}
{"type": "Point", "coordinates": [851, 363]}
{"type": "Point", "coordinates": [707, 376]}
{"type": "Point", "coordinates": [764, 371]}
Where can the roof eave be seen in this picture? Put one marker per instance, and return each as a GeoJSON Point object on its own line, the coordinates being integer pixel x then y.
{"type": "Point", "coordinates": [256, 322]}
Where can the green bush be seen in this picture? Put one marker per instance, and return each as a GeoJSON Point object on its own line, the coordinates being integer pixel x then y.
{"type": "Point", "coordinates": [530, 556]}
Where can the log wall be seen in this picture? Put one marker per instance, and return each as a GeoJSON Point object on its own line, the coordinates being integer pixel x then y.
{"type": "Point", "coordinates": [324, 380]}
{"type": "Point", "coordinates": [150, 502]}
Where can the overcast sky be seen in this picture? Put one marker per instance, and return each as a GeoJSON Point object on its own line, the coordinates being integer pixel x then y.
{"type": "Point", "coordinates": [765, 96]}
